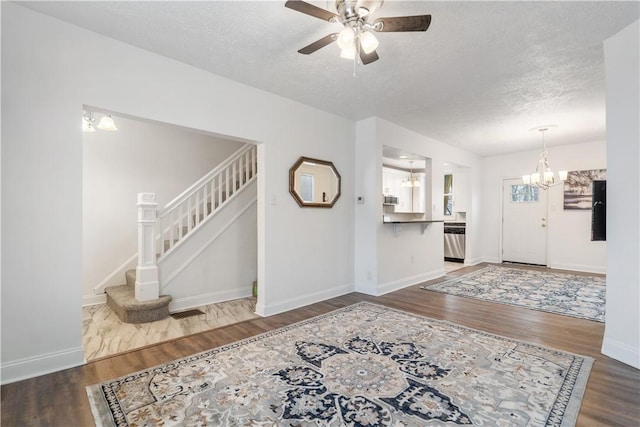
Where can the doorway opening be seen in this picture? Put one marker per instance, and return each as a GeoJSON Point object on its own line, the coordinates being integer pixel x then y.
{"type": "Point", "coordinates": [143, 155]}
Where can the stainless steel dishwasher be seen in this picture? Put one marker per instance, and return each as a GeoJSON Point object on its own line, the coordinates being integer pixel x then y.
{"type": "Point", "coordinates": [454, 241]}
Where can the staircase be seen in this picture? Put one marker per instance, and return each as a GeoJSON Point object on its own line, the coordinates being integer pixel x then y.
{"type": "Point", "coordinates": [173, 225]}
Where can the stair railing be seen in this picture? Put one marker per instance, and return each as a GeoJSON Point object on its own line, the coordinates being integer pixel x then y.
{"type": "Point", "coordinates": [195, 205]}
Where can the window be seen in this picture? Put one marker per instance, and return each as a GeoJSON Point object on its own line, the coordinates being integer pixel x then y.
{"type": "Point", "coordinates": [306, 187]}
{"type": "Point", "coordinates": [521, 193]}
{"type": "Point", "coordinates": [448, 194]}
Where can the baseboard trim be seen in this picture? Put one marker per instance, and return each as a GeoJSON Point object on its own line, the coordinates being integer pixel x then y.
{"type": "Point", "coordinates": [580, 267]}
{"type": "Point", "coordinates": [293, 303]}
{"type": "Point", "coordinates": [473, 261]}
{"type": "Point", "coordinates": [621, 352]}
{"type": "Point", "coordinates": [181, 304]}
{"type": "Point", "coordinates": [385, 288]}
{"type": "Point", "coordinates": [491, 260]}
{"type": "Point", "coordinates": [367, 288]}
{"type": "Point", "coordinates": [89, 300]}
{"type": "Point", "coordinates": [43, 364]}
{"type": "Point", "coordinates": [116, 277]}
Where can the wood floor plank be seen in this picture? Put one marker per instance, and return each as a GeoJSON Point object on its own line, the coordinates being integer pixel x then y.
{"type": "Point", "coordinates": [612, 397]}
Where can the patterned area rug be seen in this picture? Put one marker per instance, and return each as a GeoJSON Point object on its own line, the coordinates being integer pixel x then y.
{"type": "Point", "coordinates": [364, 365]}
{"type": "Point", "coordinates": [560, 293]}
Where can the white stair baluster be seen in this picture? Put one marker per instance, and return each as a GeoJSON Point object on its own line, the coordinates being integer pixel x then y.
{"type": "Point", "coordinates": [226, 184]}
{"type": "Point", "coordinates": [205, 211]}
{"type": "Point", "coordinates": [247, 165]}
{"type": "Point", "coordinates": [219, 190]}
{"type": "Point", "coordinates": [253, 161]}
{"type": "Point", "coordinates": [161, 228]}
{"type": "Point", "coordinates": [213, 194]}
{"type": "Point", "coordinates": [180, 227]}
{"type": "Point", "coordinates": [171, 227]}
{"type": "Point", "coordinates": [197, 217]}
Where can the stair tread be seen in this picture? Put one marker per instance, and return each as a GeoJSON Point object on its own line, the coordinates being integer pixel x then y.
{"type": "Point", "coordinates": [124, 296]}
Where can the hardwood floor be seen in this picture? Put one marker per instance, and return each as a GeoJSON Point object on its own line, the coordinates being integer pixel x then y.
{"type": "Point", "coordinates": [612, 397]}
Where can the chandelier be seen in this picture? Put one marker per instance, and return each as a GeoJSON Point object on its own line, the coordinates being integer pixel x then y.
{"type": "Point", "coordinates": [543, 177]}
{"type": "Point", "coordinates": [411, 181]}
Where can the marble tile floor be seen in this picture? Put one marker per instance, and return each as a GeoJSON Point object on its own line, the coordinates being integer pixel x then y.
{"type": "Point", "coordinates": [103, 334]}
{"type": "Point", "coordinates": [452, 266]}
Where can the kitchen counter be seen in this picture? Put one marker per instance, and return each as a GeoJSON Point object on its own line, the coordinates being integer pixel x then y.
{"type": "Point", "coordinates": [397, 224]}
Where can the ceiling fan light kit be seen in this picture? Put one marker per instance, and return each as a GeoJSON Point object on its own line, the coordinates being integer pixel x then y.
{"type": "Point", "coordinates": [348, 53]}
{"type": "Point", "coordinates": [357, 40]}
{"type": "Point", "coordinates": [368, 41]}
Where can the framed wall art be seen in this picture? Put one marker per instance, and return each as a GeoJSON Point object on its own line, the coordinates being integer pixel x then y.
{"type": "Point", "coordinates": [578, 188]}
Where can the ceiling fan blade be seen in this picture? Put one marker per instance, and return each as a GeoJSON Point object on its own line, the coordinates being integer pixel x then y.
{"type": "Point", "coordinates": [368, 58]}
{"type": "Point", "coordinates": [319, 44]}
{"type": "Point", "coordinates": [309, 9]}
{"type": "Point", "coordinates": [403, 23]}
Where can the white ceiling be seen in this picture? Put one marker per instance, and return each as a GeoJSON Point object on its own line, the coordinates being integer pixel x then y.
{"type": "Point", "coordinates": [479, 78]}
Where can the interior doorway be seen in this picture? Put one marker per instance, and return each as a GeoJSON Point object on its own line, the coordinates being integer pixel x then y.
{"type": "Point", "coordinates": [524, 223]}
{"type": "Point", "coordinates": [139, 155]}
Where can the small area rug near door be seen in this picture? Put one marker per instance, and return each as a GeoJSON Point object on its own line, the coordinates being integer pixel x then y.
{"type": "Point", "coordinates": [560, 293]}
{"type": "Point", "coordinates": [363, 365]}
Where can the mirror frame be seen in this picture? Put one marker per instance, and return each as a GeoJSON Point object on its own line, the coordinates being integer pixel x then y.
{"type": "Point", "coordinates": [292, 183]}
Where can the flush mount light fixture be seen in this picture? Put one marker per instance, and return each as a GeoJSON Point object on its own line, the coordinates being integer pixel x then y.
{"type": "Point", "coordinates": [543, 177]}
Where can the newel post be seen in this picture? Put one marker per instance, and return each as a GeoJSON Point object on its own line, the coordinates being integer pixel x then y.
{"type": "Point", "coordinates": [147, 283]}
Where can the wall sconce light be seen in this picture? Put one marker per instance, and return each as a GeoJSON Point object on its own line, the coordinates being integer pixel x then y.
{"type": "Point", "coordinates": [87, 122]}
{"type": "Point", "coordinates": [106, 122]}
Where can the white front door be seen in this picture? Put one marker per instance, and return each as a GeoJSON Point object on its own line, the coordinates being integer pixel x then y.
{"type": "Point", "coordinates": [524, 223]}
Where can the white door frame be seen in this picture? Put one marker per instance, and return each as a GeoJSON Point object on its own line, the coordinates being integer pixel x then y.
{"type": "Point", "coordinates": [501, 186]}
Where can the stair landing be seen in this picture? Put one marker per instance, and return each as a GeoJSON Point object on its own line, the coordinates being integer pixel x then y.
{"type": "Point", "coordinates": [121, 299]}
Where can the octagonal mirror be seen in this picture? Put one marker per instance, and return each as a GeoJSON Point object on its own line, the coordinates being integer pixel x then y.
{"type": "Point", "coordinates": [314, 183]}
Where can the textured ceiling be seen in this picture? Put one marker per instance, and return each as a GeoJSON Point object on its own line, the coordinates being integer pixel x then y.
{"type": "Point", "coordinates": [479, 78]}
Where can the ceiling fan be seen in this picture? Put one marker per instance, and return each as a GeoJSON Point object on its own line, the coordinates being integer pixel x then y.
{"type": "Point", "coordinates": [357, 39]}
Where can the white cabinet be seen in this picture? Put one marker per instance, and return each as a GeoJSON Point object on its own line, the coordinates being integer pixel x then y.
{"type": "Point", "coordinates": [461, 192]}
{"type": "Point", "coordinates": [388, 184]}
{"type": "Point", "coordinates": [410, 199]}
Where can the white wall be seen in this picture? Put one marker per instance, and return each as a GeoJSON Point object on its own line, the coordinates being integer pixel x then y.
{"type": "Point", "coordinates": [385, 262]}
{"type": "Point", "coordinates": [140, 156]}
{"type": "Point", "coordinates": [50, 70]}
{"type": "Point", "coordinates": [368, 172]}
{"type": "Point", "coordinates": [569, 231]}
{"type": "Point", "coordinates": [622, 68]}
